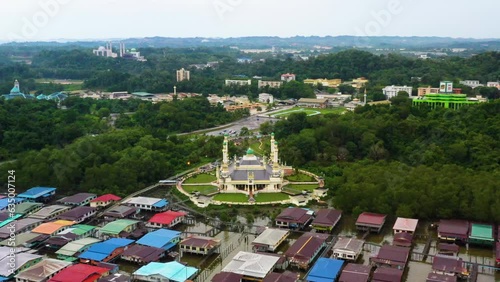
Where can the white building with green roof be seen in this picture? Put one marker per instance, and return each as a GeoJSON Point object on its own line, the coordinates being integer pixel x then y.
{"type": "Point", "coordinates": [481, 234]}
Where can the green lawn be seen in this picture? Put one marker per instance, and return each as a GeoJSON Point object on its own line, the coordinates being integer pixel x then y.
{"type": "Point", "coordinates": [203, 189]}
{"type": "Point", "coordinates": [270, 197]}
{"type": "Point", "coordinates": [300, 187]}
{"type": "Point", "coordinates": [308, 111]}
{"type": "Point", "coordinates": [231, 197]}
{"type": "Point", "coordinates": [300, 177]}
{"type": "Point", "coordinates": [200, 178]}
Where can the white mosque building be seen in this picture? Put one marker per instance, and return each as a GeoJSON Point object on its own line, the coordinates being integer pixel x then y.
{"type": "Point", "coordinates": [251, 174]}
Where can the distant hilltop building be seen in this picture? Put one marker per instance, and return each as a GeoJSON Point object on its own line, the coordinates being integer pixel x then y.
{"type": "Point", "coordinates": [493, 84]}
{"type": "Point", "coordinates": [392, 91]}
{"type": "Point", "coordinates": [183, 74]}
{"type": "Point", "coordinates": [324, 82]}
{"type": "Point", "coordinates": [271, 84]}
{"type": "Point", "coordinates": [15, 92]}
{"type": "Point", "coordinates": [251, 174]}
{"type": "Point", "coordinates": [287, 77]}
{"type": "Point", "coordinates": [266, 98]}
{"type": "Point", "coordinates": [240, 82]}
{"type": "Point", "coordinates": [471, 83]}
{"type": "Point", "coordinates": [107, 51]}
{"type": "Point", "coordinates": [445, 98]}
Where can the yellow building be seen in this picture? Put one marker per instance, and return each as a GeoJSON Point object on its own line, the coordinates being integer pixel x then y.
{"type": "Point", "coordinates": [422, 91]}
{"type": "Point", "coordinates": [359, 82]}
{"type": "Point", "coordinates": [325, 82]}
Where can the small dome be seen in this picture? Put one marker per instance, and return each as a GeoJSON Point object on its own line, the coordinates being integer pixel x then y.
{"type": "Point", "coordinates": [101, 48]}
{"type": "Point", "coordinates": [249, 151]}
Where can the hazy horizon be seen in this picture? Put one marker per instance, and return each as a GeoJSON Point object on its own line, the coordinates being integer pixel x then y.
{"type": "Point", "coordinates": [86, 20]}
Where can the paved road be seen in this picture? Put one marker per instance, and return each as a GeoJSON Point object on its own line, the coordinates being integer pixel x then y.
{"type": "Point", "coordinates": [251, 123]}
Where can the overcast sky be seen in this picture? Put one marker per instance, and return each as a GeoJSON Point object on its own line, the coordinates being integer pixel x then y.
{"type": "Point", "coordinates": [29, 20]}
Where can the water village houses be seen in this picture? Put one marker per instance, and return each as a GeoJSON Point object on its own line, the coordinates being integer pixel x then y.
{"type": "Point", "coordinates": [294, 218]}
{"type": "Point", "coordinates": [38, 194]}
{"type": "Point", "coordinates": [22, 225]}
{"type": "Point", "coordinates": [169, 271]}
{"type": "Point", "coordinates": [451, 266]}
{"type": "Point", "coordinates": [52, 228]}
{"type": "Point", "coordinates": [353, 272]}
{"type": "Point", "coordinates": [347, 248]}
{"type": "Point", "coordinates": [199, 245]}
{"type": "Point", "coordinates": [453, 230]}
{"type": "Point", "coordinates": [325, 270]}
{"type": "Point", "coordinates": [326, 220]}
{"type": "Point", "coordinates": [76, 247]}
{"type": "Point", "coordinates": [166, 219]}
{"type": "Point", "coordinates": [392, 256]}
{"type": "Point", "coordinates": [481, 234]}
{"type": "Point", "coordinates": [161, 238]}
{"type": "Point", "coordinates": [23, 261]}
{"type": "Point", "coordinates": [75, 232]}
{"type": "Point", "coordinates": [104, 200]}
{"type": "Point", "coordinates": [147, 203]}
{"type": "Point", "coordinates": [404, 228]}
{"type": "Point", "coordinates": [118, 228]}
{"type": "Point", "coordinates": [372, 222]}
{"type": "Point", "coordinates": [142, 254]}
{"type": "Point", "coordinates": [269, 240]}
{"type": "Point", "coordinates": [78, 214]}
{"type": "Point", "coordinates": [387, 274]}
{"type": "Point", "coordinates": [79, 199]}
{"type": "Point", "coordinates": [305, 249]}
{"type": "Point", "coordinates": [42, 271]}
{"type": "Point", "coordinates": [80, 273]}
{"type": "Point", "coordinates": [49, 212]}
{"type": "Point", "coordinates": [105, 251]}
{"type": "Point", "coordinates": [120, 212]}
{"type": "Point", "coordinates": [252, 266]}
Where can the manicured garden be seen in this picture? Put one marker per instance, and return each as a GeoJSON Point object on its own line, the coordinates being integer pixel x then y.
{"type": "Point", "coordinates": [300, 187]}
{"type": "Point", "coordinates": [308, 111]}
{"type": "Point", "coordinates": [231, 197]}
{"type": "Point", "coordinates": [300, 177]}
{"type": "Point", "coordinates": [270, 197]}
{"type": "Point", "coordinates": [203, 189]}
{"type": "Point", "coordinates": [200, 178]}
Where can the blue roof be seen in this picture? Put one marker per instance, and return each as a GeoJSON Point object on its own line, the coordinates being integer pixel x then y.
{"type": "Point", "coordinates": [172, 270]}
{"type": "Point", "coordinates": [160, 204]}
{"type": "Point", "coordinates": [36, 192]}
{"type": "Point", "coordinates": [160, 238]}
{"type": "Point", "coordinates": [325, 270]}
{"type": "Point", "coordinates": [100, 251]}
{"type": "Point", "coordinates": [4, 203]}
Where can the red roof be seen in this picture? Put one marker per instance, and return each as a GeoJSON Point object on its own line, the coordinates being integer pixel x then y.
{"type": "Point", "coordinates": [327, 217]}
{"type": "Point", "coordinates": [166, 217]}
{"type": "Point", "coordinates": [304, 248]}
{"type": "Point", "coordinates": [79, 272]}
{"type": "Point", "coordinates": [387, 274]}
{"type": "Point", "coordinates": [294, 215]}
{"type": "Point", "coordinates": [371, 218]}
{"type": "Point", "coordinates": [453, 228]}
{"type": "Point", "coordinates": [355, 273]}
{"type": "Point", "coordinates": [498, 252]}
{"type": "Point", "coordinates": [106, 197]}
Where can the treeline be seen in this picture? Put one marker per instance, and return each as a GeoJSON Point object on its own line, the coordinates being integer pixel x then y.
{"type": "Point", "coordinates": [118, 162]}
{"type": "Point", "coordinates": [402, 160]}
{"type": "Point", "coordinates": [157, 75]}
{"type": "Point", "coordinates": [32, 125]}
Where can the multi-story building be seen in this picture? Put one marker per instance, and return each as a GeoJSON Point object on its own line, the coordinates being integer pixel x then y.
{"type": "Point", "coordinates": [493, 84]}
{"type": "Point", "coordinates": [422, 91]}
{"type": "Point", "coordinates": [392, 91]}
{"type": "Point", "coordinates": [272, 84]}
{"type": "Point", "coordinates": [240, 82]}
{"type": "Point", "coordinates": [471, 83]}
{"type": "Point", "coordinates": [325, 82]}
{"type": "Point", "coordinates": [287, 77]}
{"type": "Point", "coordinates": [183, 74]}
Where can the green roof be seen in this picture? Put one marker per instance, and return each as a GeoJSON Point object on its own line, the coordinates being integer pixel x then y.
{"type": "Point", "coordinates": [27, 207]}
{"type": "Point", "coordinates": [117, 226]}
{"type": "Point", "coordinates": [81, 229]}
{"type": "Point", "coordinates": [249, 151]}
{"type": "Point", "coordinates": [482, 232]}
{"type": "Point", "coordinates": [143, 94]}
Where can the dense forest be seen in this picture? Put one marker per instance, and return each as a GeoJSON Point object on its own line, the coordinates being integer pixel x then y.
{"type": "Point", "coordinates": [33, 125]}
{"type": "Point", "coordinates": [402, 160]}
